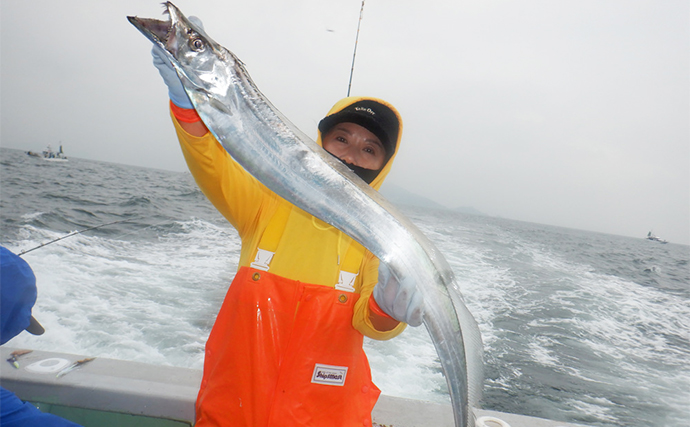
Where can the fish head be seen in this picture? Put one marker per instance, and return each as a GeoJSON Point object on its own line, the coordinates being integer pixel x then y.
{"type": "Point", "coordinates": [200, 62]}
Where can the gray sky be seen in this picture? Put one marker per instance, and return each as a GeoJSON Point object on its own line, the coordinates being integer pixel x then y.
{"type": "Point", "coordinates": [569, 113]}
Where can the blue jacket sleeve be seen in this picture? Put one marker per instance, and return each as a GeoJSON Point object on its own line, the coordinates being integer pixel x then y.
{"type": "Point", "coordinates": [15, 413]}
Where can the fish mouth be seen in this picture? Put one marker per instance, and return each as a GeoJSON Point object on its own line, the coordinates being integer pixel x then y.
{"type": "Point", "coordinates": [170, 36]}
{"type": "Point", "coordinates": [156, 30]}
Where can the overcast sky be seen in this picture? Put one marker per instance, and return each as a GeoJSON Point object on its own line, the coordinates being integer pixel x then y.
{"type": "Point", "coordinates": [569, 113]}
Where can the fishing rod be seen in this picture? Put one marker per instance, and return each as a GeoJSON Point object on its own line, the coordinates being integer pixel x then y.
{"type": "Point", "coordinates": [352, 69]}
{"type": "Point", "coordinates": [74, 233]}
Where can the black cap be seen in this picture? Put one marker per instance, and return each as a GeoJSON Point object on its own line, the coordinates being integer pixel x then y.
{"type": "Point", "coordinates": [377, 118]}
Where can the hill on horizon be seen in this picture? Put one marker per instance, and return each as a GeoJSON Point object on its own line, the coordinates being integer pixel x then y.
{"type": "Point", "coordinates": [399, 196]}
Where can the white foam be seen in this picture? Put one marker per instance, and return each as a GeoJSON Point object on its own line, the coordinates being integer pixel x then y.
{"type": "Point", "coordinates": [149, 301]}
{"type": "Point", "coordinates": [407, 366]}
{"type": "Point", "coordinates": [32, 216]}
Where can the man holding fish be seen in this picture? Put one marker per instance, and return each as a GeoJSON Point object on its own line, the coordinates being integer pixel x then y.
{"type": "Point", "coordinates": [286, 347]}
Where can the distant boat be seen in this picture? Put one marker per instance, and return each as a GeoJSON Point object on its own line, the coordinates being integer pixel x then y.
{"type": "Point", "coordinates": [651, 236]}
{"type": "Point", "coordinates": [50, 155]}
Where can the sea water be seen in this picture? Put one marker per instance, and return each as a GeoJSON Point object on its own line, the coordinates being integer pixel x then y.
{"type": "Point", "coordinates": [577, 326]}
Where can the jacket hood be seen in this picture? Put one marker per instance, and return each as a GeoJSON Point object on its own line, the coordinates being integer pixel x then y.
{"type": "Point", "coordinates": [346, 102]}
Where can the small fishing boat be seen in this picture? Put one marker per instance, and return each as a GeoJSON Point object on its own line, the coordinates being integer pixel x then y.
{"type": "Point", "coordinates": [50, 155]}
{"type": "Point", "coordinates": [651, 236]}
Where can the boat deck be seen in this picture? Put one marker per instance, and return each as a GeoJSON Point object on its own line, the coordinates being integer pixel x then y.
{"type": "Point", "coordinates": [107, 392]}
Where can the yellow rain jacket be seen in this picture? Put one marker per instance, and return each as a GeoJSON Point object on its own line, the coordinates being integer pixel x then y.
{"type": "Point", "coordinates": [308, 250]}
{"type": "Point", "coordinates": [286, 347]}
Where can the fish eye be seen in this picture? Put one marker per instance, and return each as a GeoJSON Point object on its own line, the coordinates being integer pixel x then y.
{"type": "Point", "coordinates": [196, 44]}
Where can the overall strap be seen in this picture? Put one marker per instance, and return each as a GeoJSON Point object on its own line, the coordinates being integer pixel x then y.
{"type": "Point", "coordinates": [271, 237]}
{"type": "Point", "coordinates": [349, 266]}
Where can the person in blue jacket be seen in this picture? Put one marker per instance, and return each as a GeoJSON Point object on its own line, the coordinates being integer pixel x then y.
{"type": "Point", "coordinates": [17, 298]}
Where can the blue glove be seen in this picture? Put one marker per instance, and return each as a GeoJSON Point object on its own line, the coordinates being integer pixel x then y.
{"type": "Point", "coordinates": [400, 300]}
{"type": "Point", "coordinates": [176, 91]}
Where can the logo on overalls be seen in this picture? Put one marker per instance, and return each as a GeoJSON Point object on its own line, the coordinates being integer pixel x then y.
{"type": "Point", "coordinates": [329, 374]}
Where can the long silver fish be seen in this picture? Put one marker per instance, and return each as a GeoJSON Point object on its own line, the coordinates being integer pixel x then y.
{"type": "Point", "coordinates": [288, 162]}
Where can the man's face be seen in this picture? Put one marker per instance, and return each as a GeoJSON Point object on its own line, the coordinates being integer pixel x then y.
{"type": "Point", "coordinates": [355, 145]}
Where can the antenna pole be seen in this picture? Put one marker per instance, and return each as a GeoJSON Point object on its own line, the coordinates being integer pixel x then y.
{"type": "Point", "coordinates": [352, 69]}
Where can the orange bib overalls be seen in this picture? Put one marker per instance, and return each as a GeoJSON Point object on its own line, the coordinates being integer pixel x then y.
{"type": "Point", "coordinates": [285, 353]}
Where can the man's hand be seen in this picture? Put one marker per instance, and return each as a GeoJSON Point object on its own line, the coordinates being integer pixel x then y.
{"type": "Point", "coordinates": [400, 300]}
